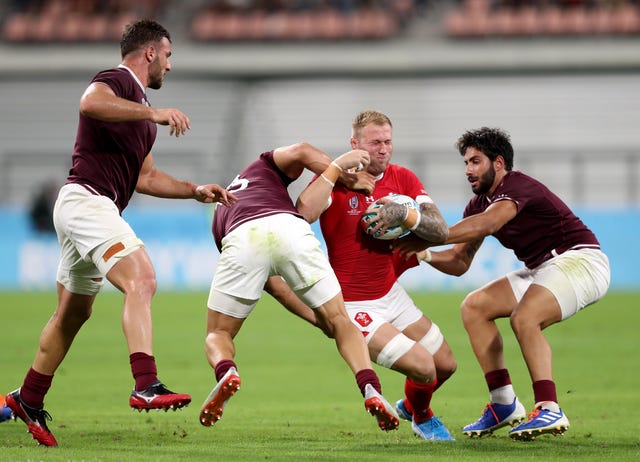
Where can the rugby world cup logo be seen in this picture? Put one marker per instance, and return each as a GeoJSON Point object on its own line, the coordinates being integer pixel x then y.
{"type": "Point", "coordinates": [353, 206]}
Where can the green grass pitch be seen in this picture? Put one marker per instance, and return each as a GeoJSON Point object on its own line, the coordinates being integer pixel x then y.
{"type": "Point", "coordinates": [299, 401]}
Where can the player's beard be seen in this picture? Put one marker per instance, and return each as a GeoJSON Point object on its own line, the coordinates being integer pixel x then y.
{"type": "Point", "coordinates": [155, 75]}
{"type": "Point", "coordinates": [485, 181]}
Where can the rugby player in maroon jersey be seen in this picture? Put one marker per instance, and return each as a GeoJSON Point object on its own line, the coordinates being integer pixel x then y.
{"type": "Point", "coordinates": [111, 159]}
{"type": "Point", "coordinates": [564, 271]}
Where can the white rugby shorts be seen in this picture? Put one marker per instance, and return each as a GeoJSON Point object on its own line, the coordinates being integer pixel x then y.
{"type": "Point", "coordinates": [395, 307]}
{"type": "Point", "coordinates": [577, 278]}
{"type": "Point", "coordinates": [280, 244]}
{"type": "Point", "coordinates": [93, 237]}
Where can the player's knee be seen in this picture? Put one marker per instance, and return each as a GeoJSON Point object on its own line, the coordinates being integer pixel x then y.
{"type": "Point", "coordinates": [472, 308]}
{"type": "Point", "coordinates": [73, 319]}
{"type": "Point", "coordinates": [143, 285]}
{"type": "Point", "coordinates": [446, 368]}
{"type": "Point", "coordinates": [521, 322]}
{"type": "Point", "coordinates": [422, 371]}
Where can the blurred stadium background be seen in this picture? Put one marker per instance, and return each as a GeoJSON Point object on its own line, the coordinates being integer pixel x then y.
{"type": "Point", "coordinates": [562, 77]}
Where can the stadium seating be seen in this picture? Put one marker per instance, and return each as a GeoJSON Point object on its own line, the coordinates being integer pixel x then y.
{"type": "Point", "coordinates": [487, 18]}
{"type": "Point", "coordinates": [64, 21]}
{"type": "Point", "coordinates": [59, 21]}
{"type": "Point", "coordinates": [91, 21]}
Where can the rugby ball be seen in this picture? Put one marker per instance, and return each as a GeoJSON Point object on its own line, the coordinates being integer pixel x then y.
{"type": "Point", "coordinates": [367, 221]}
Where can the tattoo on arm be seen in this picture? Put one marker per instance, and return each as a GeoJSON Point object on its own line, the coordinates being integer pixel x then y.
{"type": "Point", "coordinates": [393, 213]}
{"type": "Point", "coordinates": [432, 226]}
{"type": "Point", "coordinates": [472, 248]}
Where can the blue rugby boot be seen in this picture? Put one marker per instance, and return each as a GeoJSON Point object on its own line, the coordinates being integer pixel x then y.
{"type": "Point", "coordinates": [495, 416]}
{"type": "Point", "coordinates": [402, 411]}
{"type": "Point", "coordinates": [432, 429]}
{"type": "Point", "coordinates": [546, 418]}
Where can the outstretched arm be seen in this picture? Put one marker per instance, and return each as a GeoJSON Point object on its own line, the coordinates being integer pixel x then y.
{"type": "Point", "coordinates": [467, 235]}
{"type": "Point", "coordinates": [154, 182]}
{"type": "Point", "coordinates": [483, 224]}
{"type": "Point", "coordinates": [454, 261]}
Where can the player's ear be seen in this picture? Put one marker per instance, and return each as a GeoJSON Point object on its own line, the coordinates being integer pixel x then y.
{"type": "Point", "coordinates": [353, 142]}
{"type": "Point", "coordinates": [499, 160]}
{"type": "Point", "coordinates": [150, 53]}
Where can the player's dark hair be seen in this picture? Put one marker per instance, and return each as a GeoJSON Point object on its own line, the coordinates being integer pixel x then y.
{"type": "Point", "coordinates": [139, 33]}
{"type": "Point", "coordinates": [492, 142]}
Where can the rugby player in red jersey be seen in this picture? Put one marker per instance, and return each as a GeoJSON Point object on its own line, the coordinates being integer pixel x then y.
{"type": "Point", "coordinates": [398, 335]}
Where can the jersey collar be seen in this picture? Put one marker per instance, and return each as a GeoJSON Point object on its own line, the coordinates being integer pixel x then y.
{"type": "Point", "coordinates": [135, 77]}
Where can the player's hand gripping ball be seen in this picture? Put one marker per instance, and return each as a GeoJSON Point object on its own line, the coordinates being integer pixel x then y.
{"type": "Point", "coordinates": [367, 221]}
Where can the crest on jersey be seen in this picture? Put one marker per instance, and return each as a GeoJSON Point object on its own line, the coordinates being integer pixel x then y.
{"type": "Point", "coordinates": [363, 318]}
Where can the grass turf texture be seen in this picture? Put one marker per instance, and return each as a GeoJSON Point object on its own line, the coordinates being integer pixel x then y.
{"type": "Point", "coordinates": [298, 399]}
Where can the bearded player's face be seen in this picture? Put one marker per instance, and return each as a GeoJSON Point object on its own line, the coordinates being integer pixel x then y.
{"type": "Point", "coordinates": [160, 65]}
{"type": "Point", "coordinates": [479, 171]}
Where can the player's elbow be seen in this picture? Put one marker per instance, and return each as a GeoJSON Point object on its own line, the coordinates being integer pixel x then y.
{"type": "Point", "coordinates": [143, 186]}
{"type": "Point", "coordinates": [85, 108]}
{"type": "Point", "coordinates": [300, 149]}
{"type": "Point", "coordinates": [458, 270]}
{"type": "Point", "coordinates": [310, 214]}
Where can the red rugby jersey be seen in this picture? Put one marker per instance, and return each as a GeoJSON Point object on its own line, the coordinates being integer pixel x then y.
{"type": "Point", "coordinates": [365, 267]}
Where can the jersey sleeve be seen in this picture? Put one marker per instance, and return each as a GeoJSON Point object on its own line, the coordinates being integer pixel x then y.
{"type": "Point", "coordinates": [411, 184]}
{"type": "Point", "coordinates": [513, 190]}
{"type": "Point", "coordinates": [118, 81]}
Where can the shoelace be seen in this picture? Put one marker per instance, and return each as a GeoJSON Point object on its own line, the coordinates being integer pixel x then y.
{"type": "Point", "coordinates": [490, 407]}
{"type": "Point", "coordinates": [435, 423]}
{"type": "Point", "coordinates": [533, 414]}
{"type": "Point", "coordinates": [41, 415]}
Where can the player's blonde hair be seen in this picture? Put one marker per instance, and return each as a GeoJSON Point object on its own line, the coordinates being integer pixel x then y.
{"type": "Point", "coordinates": [367, 117]}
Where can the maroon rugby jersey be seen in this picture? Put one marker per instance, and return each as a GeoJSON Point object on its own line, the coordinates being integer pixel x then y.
{"type": "Point", "coordinates": [261, 189]}
{"type": "Point", "coordinates": [543, 222]}
{"type": "Point", "coordinates": [107, 156]}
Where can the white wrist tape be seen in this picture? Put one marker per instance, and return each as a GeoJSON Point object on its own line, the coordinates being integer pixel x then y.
{"type": "Point", "coordinates": [415, 226]}
{"type": "Point", "coordinates": [427, 256]}
{"type": "Point", "coordinates": [327, 180]}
